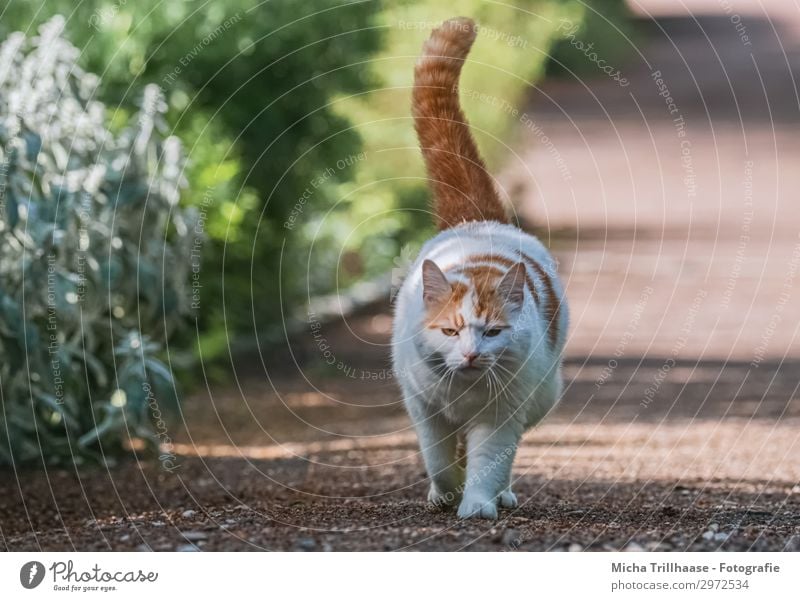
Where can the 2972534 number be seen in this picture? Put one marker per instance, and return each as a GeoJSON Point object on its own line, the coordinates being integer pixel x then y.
{"type": "Point", "coordinates": [720, 584]}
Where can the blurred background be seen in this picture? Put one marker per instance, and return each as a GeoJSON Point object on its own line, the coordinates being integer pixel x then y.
{"type": "Point", "coordinates": [206, 207]}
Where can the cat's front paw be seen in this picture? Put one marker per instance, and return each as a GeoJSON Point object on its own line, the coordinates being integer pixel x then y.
{"type": "Point", "coordinates": [477, 508]}
{"type": "Point", "coordinates": [508, 499]}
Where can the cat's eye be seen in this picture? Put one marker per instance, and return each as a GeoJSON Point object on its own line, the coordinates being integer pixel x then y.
{"type": "Point", "coordinates": [449, 332]}
{"type": "Point", "coordinates": [492, 332]}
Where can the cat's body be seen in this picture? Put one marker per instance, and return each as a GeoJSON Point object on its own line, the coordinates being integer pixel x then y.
{"type": "Point", "coordinates": [480, 321]}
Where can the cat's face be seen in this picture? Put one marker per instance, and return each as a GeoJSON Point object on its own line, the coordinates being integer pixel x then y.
{"type": "Point", "coordinates": [471, 316]}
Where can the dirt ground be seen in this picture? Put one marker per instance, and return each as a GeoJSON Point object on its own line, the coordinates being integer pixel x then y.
{"type": "Point", "coordinates": [679, 425]}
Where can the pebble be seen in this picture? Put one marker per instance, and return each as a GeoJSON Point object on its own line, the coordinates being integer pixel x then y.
{"type": "Point", "coordinates": [307, 544]}
{"type": "Point", "coordinates": [189, 513]}
{"type": "Point", "coordinates": [708, 535]}
{"type": "Point", "coordinates": [721, 537]}
{"type": "Point", "coordinates": [575, 548]}
{"type": "Point", "coordinates": [511, 538]}
{"type": "Point", "coordinates": [633, 547]}
{"type": "Point", "coordinates": [185, 548]}
{"type": "Point", "coordinates": [659, 546]}
{"type": "Point", "coordinates": [518, 519]}
{"type": "Point", "coordinates": [194, 535]}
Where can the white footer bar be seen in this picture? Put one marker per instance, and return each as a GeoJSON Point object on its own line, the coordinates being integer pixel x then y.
{"type": "Point", "coordinates": [389, 576]}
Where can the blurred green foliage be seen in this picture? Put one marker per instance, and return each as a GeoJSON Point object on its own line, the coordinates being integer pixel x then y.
{"type": "Point", "coordinates": [592, 30]}
{"type": "Point", "coordinates": [94, 259]}
{"type": "Point", "coordinates": [247, 84]}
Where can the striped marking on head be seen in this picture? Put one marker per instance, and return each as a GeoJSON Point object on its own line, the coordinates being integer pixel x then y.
{"type": "Point", "coordinates": [489, 284]}
{"type": "Point", "coordinates": [499, 261]}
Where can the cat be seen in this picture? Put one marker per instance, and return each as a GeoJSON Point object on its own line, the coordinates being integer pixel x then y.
{"type": "Point", "coordinates": [480, 320]}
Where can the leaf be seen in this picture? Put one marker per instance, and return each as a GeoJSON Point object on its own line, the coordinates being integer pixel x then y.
{"type": "Point", "coordinates": [56, 406]}
{"type": "Point", "coordinates": [96, 368]}
{"type": "Point", "coordinates": [112, 420]}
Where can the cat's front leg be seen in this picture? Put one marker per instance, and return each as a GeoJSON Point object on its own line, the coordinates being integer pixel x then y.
{"type": "Point", "coordinates": [490, 455]}
{"type": "Point", "coordinates": [438, 442]}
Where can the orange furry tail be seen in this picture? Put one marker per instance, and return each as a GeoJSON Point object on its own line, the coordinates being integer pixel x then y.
{"type": "Point", "coordinates": [462, 189]}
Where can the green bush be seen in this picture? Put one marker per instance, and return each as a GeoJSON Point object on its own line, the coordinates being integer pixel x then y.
{"type": "Point", "coordinates": [248, 85]}
{"type": "Point", "coordinates": [94, 259]}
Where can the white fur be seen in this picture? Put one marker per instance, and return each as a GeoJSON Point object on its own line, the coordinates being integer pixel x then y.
{"type": "Point", "coordinates": [449, 406]}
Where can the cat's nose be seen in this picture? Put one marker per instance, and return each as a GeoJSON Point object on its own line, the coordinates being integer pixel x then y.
{"type": "Point", "coordinates": [470, 357]}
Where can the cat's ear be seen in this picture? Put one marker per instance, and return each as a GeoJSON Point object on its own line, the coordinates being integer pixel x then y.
{"type": "Point", "coordinates": [511, 289]}
{"type": "Point", "coordinates": [435, 287]}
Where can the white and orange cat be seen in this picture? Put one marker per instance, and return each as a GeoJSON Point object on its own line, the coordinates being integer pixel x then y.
{"type": "Point", "coordinates": [481, 320]}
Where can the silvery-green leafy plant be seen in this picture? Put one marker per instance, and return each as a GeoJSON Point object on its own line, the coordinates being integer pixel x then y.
{"type": "Point", "coordinates": [94, 260]}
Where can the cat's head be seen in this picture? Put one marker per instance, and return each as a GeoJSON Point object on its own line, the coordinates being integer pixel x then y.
{"type": "Point", "coordinates": [471, 314]}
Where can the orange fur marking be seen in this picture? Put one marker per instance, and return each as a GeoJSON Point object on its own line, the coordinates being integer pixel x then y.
{"type": "Point", "coordinates": [490, 258]}
{"type": "Point", "coordinates": [473, 271]}
{"type": "Point", "coordinates": [484, 280]}
{"type": "Point", "coordinates": [447, 309]}
{"type": "Point", "coordinates": [462, 189]}
{"type": "Point", "coordinates": [487, 302]}
{"type": "Point", "coordinates": [551, 306]}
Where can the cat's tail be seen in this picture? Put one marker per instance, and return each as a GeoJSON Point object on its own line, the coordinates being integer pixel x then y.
{"type": "Point", "coordinates": [462, 188]}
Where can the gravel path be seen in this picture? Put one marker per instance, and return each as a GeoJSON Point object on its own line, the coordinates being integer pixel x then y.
{"type": "Point", "coordinates": [677, 235]}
